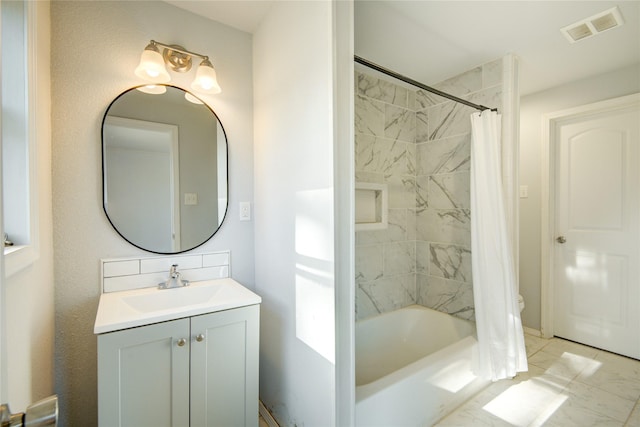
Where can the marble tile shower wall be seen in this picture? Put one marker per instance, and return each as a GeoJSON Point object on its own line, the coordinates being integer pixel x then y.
{"type": "Point", "coordinates": [385, 147]}
{"type": "Point", "coordinates": [419, 145]}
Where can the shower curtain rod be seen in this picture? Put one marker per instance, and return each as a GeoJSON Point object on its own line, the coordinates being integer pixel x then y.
{"type": "Point", "coordinates": [405, 79]}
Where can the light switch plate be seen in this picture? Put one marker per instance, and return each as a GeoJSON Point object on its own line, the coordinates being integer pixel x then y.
{"type": "Point", "coordinates": [524, 191]}
{"type": "Point", "coordinates": [190, 198]}
{"type": "Point", "coordinates": [245, 211]}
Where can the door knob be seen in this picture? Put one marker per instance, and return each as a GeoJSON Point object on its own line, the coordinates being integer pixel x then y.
{"type": "Point", "coordinates": [561, 239]}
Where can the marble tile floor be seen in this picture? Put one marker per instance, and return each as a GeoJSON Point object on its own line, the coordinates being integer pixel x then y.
{"type": "Point", "coordinates": [568, 384]}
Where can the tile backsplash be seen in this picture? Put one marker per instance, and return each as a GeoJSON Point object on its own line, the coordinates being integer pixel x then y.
{"type": "Point", "coordinates": [122, 274]}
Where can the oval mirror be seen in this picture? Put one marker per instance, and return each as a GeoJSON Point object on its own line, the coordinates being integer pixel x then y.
{"type": "Point", "coordinates": [164, 169]}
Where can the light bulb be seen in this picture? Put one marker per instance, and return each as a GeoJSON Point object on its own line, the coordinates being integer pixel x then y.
{"type": "Point", "coordinates": [206, 80]}
{"type": "Point", "coordinates": [151, 65]}
{"type": "Point", "coordinates": [189, 97]}
{"type": "Point", "coordinates": [153, 89]}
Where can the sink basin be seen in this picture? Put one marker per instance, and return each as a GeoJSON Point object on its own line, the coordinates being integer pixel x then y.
{"type": "Point", "coordinates": [129, 309]}
{"type": "Point", "coordinates": [167, 299]}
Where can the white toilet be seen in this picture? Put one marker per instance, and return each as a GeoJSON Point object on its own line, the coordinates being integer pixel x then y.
{"type": "Point", "coordinates": [520, 302]}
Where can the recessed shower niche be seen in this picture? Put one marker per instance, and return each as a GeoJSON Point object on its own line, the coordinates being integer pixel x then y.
{"type": "Point", "coordinates": [371, 206]}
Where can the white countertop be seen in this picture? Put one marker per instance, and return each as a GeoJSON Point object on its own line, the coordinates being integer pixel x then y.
{"type": "Point", "coordinates": [128, 309]}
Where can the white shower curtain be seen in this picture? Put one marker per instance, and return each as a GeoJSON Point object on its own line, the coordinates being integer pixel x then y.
{"type": "Point", "coordinates": [500, 337]}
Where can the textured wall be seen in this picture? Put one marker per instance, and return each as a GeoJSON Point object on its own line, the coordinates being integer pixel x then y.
{"type": "Point", "coordinates": [419, 145]}
{"type": "Point", "coordinates": [95, 48]}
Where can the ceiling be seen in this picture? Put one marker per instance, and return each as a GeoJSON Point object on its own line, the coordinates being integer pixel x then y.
{"type": "Point", "coordinates": [244, 15]}
{"type": "Point", "coordinates": [430, 41]}
{"type": "Point", "coordinates": [434, 40]}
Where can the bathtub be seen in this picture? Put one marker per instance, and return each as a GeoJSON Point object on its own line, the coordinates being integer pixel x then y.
{"type": "Point", "coordinates": [413, 367]}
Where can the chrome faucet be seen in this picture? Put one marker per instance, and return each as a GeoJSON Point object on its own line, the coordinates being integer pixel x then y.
{"type": "Point", "coordinates": [174, 280]}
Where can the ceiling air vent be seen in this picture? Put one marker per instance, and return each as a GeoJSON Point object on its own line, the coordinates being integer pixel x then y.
{"type": "Point", "coordinates": [593, 25]}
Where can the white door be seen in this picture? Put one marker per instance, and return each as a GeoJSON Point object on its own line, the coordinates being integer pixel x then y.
{"type": "Point", "coordinates": [141, 172]}
{"type": "Point", "coordinates": [597, 225]}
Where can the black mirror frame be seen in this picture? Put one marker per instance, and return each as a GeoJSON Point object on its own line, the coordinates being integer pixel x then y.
{"type": "Point", "coordinates": [104, 208]}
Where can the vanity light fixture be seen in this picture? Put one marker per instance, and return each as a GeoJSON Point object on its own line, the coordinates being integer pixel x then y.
{"type": "Point", "coordinates": [206, 80]}
{"type": "Point", "coordinates": [153, 64]}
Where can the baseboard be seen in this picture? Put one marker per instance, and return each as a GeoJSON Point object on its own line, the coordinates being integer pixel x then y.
{"type": "Point", "coordinates": [266, 415]}
{"type": "Point", "coordinates": [531, 331]}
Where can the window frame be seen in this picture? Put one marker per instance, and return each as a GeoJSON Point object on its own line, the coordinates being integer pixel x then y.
{"type": "Point", "coordinates": [19, 257]}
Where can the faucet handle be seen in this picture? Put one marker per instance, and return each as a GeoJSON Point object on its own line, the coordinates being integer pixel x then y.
{"type": "Point", "coordinates": [174, 280]}
{"type": "Point", "coordinates": [173, 271]}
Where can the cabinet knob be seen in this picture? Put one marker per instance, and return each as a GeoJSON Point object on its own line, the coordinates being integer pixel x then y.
{"type": "Point", "coordinates": [181, 342]}
{"type": "Point", "coordinates": [561, 239]}
{"type": "Point", "coordinates": [200, 338]}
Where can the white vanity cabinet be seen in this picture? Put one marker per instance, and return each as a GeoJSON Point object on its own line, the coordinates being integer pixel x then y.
{"type": "Point", "coordinates": [191, 372]}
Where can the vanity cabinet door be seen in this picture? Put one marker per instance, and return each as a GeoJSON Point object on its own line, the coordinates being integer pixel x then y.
{"type": "Point", "coordinates": [224, 374]}
{"type": "Point", "coordinates": [143, 376]}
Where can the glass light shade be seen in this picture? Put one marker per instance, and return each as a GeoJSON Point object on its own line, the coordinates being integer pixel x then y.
{"type": "Point", "coordinates": [151, 66]}
{"type": "Point", "coordinates": [206, 80]}
{"type": "Point", "coordinates": [189, 97]}
{"type": "Point", "coordinates": [153, 89]}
